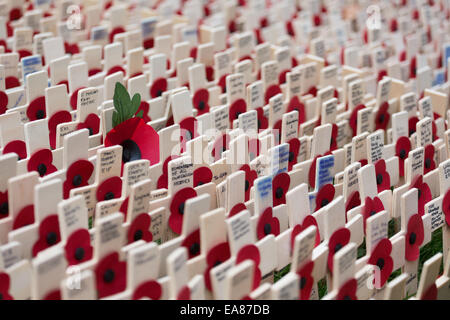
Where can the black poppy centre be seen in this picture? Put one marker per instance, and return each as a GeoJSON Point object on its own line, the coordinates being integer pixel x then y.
{"type": "Point", "coordinates": [337, 247]}
{"type": "Point", "coordinates": [279, 193]}
{"type": "Point", "coordinates": [379, 178]}
{"type": "Point", "coordinates": [181, 208]}
{"type": "Point", "coordinates": [77, 180]}
{"type": "Point", "coordinates": [194, 249]}
{"type": "Point", "coordinates": [108, 276]}
{"type": "Point", "coordinates": [303, 282]}
{"type": "Point", "coordinates": [42, 169]}
{"type": "Point", "coordinates": [402, 154]}
{"type": "Point", "coordinates": [412, 238]}
{"type": "Point", "coordinates": [380, 263]}
{"type": "Point", "coordinates": [40, 114]}
{"type": "Point", "coordinates": [79, 254]}
{"type": "Point", "coordinates": [267, 229]}
{"type": "Point", "coordinates": [138, 235]}
{"type": "Point", "coordinates": [51, 238]}
{"type": "Point", "coordinates": [130, 151]}
{"type": "Point", "coordinates": [324, 202]}
{"type": "Point", "coordinates": [4, 208]}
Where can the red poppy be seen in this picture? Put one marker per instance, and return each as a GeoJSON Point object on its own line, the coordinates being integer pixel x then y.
{"type": "Point", "coordinates": [150, 289]}
{"type": "Point", "coordinates": [353, 201]}
{"type": "Point", "coordinates": [306, 280]}
{"type": "Point", "coordinates": [295, 104]}
{"type": "Point", "coordinates": [324, 196]}
{"type": "Point", "coordinates": [110, 275]}
{"type": "Point", "coordinates": [94, 71]}
{"type": "Point", "coordinates": [116, 69]}
{"type": "Point", "coordinates": [312, 172]}
{"type": "Point", "coordinates": [445, 206]}
{"type": "Point", "coordinates": [77, 175]}
{"type": "Point", "coordinates": [220, 145]}
{"type": "Point", "coordinates": [381, 74]}
{"type": "Point", "coordinates": [138, 140]}
{"type": "Point", "coordinates": [139, 229]}
{"type": "Point", "coordinates": [334, 134]}
{"type": "Point", "coordinates": [78, 248]}
{"type": "Point", "coordinates": [3, 102]}
{"type": "Point", "coordinates": [209, 73]}
{"type": "Point", "coordinates": [263, 122]}
{"type": "Point", "coordinates": [294, 147]}
{"type": "Point", "coordinates": [431, 293]}
{"type": "Point", "coordinates": [201, 101]}
{"type": "Point", "coordinates": [280, 185]}
{"type": "Point", "coordinates": [271, 91]}
{"type": "Point", "coordinates": [267, 224]}
{"type": "Point", "coordinates": [57, 118]}
{"type": "Point", "coordinates": [177, 208]}
{"type": "Point", "coordinates": [354, 118]}
{"type": "Point", "coordinates": [92, 123]}
{"type": "Point", "coordinates": [237, 107]}
{"type": "Point", "coordinates": [429, 163]}
{"type": "Point", "coordinates": [412, 68]}
{"type": "Point", "coordinates": [222, 83]}
{"type": "Point", "coordinates": [348, 290]}
{"type": "Point", "coordinates": [290, 28]}
{"type": "Point", "coordinates": [339, 239]}
{"type": "Point", "coordinates": [18, 147]}
{"type": "Point", "coordinates": [4, 287]}
{"type": "Point", "coordinates": [41, 161]}
{"type": "Point", "coordinates": [216, 256]}
{"type": "Point", "coordinates": [188, 131]}
{"type": "Point", "coordinates": [276, 129]}
{"type": "Point", "coordinates": [116, 30]}
{"type": "Point", "coordinates": [424, 193]}
{"type": "Point", "coordinates": [144, 107]}
{"type": "Point", "coordinates": [250, 176]}
{"type": "Point", "coordinates": [49, 234]}
{"type": "Point", "coordinates": [371, 207]}
{"type": "Point", "coordinates": [74, 98]}
{"type": "Point", "coordinates": [382, 117]}
{"type": "Point", "coordinates": [71, 48]}
{"type": "Point", "coordinates": [434, 130]}
{"type": "Point", "coordinates": [307, 222]}
{"type": "Point", "coordinates": [237, 208]}
{"type": "Point", "coordinates": [36, 109]}
{"type": "Point", "coordinates": [124, 208]}
{"type": "Point", "coordinates": [251, 252]}
{"type": "Point", "coordinates": [402, 149]}
{"type": "Point", "coordinates": [24, 53]}
{"type": "Point", "coordinates": [382, 176]}
{"type": "Point", "coordinates": [381, 257]}
{"type": "Point", "coordinates": [254, 146]}
{"type": "Point", "coordinates": [202, 175]}
{"type": "Point", "coordinates": [109, 189]}
{"type": "Point", "coordinates": [414, 237]}
{"type": "Point", "coordinates": [15, 14]}
{"type": "Point", "coordinates": [25, 217]}
{"type": "Point", "coordinates": [393, 25]}
{"type": "Point", "coordinates": [184, 294]}
{"type": "Point", "coordinates": [192, 243]}
{"type": "Point", "coordinates": [162, 182]}
{"type": "Point", "coordinates": [282, 77]}
{"type": "Point", "coordinates": [149, 43]}
{"type": "Point", "coordinates": [158, 87]}
{"type": "Point", "coordinates": [412, 124]}
{"type": "Point", "coordinates": [4, 207]}
{"type": "Point", "coordinates": [11, 82]}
